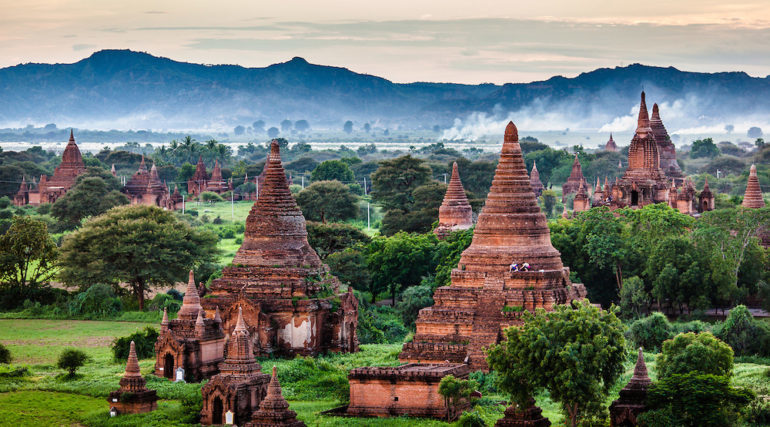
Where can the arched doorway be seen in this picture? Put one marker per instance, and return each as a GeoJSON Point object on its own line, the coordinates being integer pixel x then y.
{"type": "Point", "coordinates": [216, 411]}
{"type": "Point", "coordinates": [634, 198]}
{"type": "Point", "coordinates": [168, 366]}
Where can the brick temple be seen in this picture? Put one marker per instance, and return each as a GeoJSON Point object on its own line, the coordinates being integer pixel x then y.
{"type": "Point", "coordinates": [133, 397]}
{"type": "Point", "coordinates": [631, 403]}
{"type": "Point", "coordinates": [455, 212]}
{"type": "Point", "coordinates": [534, 181]}
{"type": "Point", "coordinates": [216, 184]}
{"type": "Point", "coordinates": [753, 198]}
{"type": "Point", "coordinates": [645, 181]}
{"type": "Point", "coordinates": [191, 341]}
{"type": "Point", "coordinates": [610, 145]}
{"type": "Point", "coordinates": [575, 179]}
{"type": "Point", "coordinates": [485, 295]}
{"type": "Point", "coordinates": [239, 386]}
{"type": "Point", "coordinates": [48, 190]}
{"type": "Point", "coordinates": [145, 188]}
{"type": "Point", "coordinates": [291, 303]}
{"type": "Point", "coordinates": [410, 389]}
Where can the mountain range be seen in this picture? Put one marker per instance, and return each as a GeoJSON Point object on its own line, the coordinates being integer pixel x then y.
{"type": "Point", "coordinates": [123, 89]}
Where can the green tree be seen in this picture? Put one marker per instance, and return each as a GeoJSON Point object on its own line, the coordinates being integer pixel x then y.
{"type": "Point", "coordinates": [549, 202]}
{"type": "Point", "coordinates": [694, 399]}
{"type": "Point", "coordinates": [143, 246]}
{"type": "Point", "coordinates": [349, 266]}
{"type": "Point", "coordinates": [744, 334]}
{"type": "Point", "coordinates": [634, 300]}
{"type": "Point", "coordinates": [695, 352]}
{"type": "Point", "coordinates": [414, 299]}
{"type": "Point", "coordinates": [576, 354]}
{"type": "Point", "coordinates": [396, 179]}
{"type": "Point", "coordinates": [89, 197]}
{"type": "Point", "coordinates": [27, 256]}
{"type": "Point", "coordinates": [327, 239]}
{"type": "Point", "coordinates": [422, 213]}
{"type": "Point", "coordinates": [400, 261]}
{"type": "Point", "coordinates": [676, 271]}
{"type": "Point", "coordinates": [456, 393]}
{"type": "Point", "coordinates": [703, 148]}
{"type": "Point", "coordinates": [330, 200]}
{"type": "Point", "coordinates": [71, 360]}
{"type": "Point", "coordinates": [650, 332]}
{"type": "Point", "coordinates": [332, 170]}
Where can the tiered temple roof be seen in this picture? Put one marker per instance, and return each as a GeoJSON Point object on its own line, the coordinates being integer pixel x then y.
{"type": "Point", "coordinates": [575, 179]}
{"type": "Point", "coordinates": [610, 145]}
{"type": "Point", "coordinates": [510, 229]}
{"type": "Point", "coordinates": [197, 184]}
{"type": "Point", "coordinates": [70, 167]}
{"type": "Point", "coordinates": [666, 148]}
{"type": "Point", "coordinates": [133, 396]}
{"type": "Point", "coordinates": [274, 409]}
{"type": "Point", "coordinates": [137, 184]}
{"type": "Point", "coordinates": [752, 198]}
{"type": "Point", "coordinates": [277, 275]}
{"type": "Point", "coordinates": [632, 397]}
{"type": "Point", "coordinates": [534, 180]}
{"type": "Point", "coordinates": [455, 212]}
{"type": "Point", "coordinates": [216, 183]}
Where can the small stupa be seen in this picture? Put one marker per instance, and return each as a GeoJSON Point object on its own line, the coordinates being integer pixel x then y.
{"type": "Point", "coordinates": [575, 179]}
{"type": "Point", "coordinates": [623, 412]}
{"type": "Point", "coordinates": [133, 397]}
{"type": "Point", "coordinates": [752, 198]}
{"type": "Point", "coordinates": [455, 212]}
{"type": "Point", "coordinates": [531, 416]}
{"type": "Point", "coordinates": [274, 410]}
{"type": "Point", "coordinates": [534, 180]}
{"type": "Point", "coordinates": [610, 145]}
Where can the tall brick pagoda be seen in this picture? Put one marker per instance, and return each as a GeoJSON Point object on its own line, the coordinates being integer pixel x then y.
{"type": "Point", "coordinates": [485, 295]}
{"type": "Point", "coordinates": [666, 149]}
{"type": "Point", "coordinates": [190, 341]}
{"type": "Point", "coordinates": [455, 212]}
{"type": "Point", "coordinates": [274, 409]}
{"type": "Point", "coordinates": [291, 303]}
{"type": "Point", "coordinates": [133, 397]}
{"type": "Point", "coordinates": [64, 176]}
{"type": "Point", "coordinates": [575, 179]}
{"type": "Point", "coordinates": [534, 181]}
{"type": "Point", "coordinates": [240, 384]}
{"type": "Point", "coordinates": [752, 198]}
{"type": "Point", "coordinates": [631, 403]}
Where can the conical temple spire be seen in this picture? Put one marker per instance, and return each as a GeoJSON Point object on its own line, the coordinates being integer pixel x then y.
{"type": "Point", "coordinates": [142, 165]}
{"type": "Point", "coordinates": [240, 325]}
{"type": "Point", "coordinates": [640, 377]}
{"type": "Point", "coordinates": [753, 196]}
{"type": "Point", "coordinates": [72, 136]}
{"type": "Point", "coordinates": [191, 303]}
{"type": "Point", "coordinates": [132, 365]}
{"type": "Point", "coordinates": [511, 227]}
{"type": "Point", "coordinates": [164, 322]}
{"type": "Point", "coordinates": [455, 212]}
{"type": "Point", "coordinates": [643, 122]}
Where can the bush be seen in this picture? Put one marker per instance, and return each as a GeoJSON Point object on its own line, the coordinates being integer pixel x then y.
{"type": "Point", "coordinates": [192, 404]}
{"type": "Point", "coordinates": [70, 360]}
{"type": "Point", "coordinates": [144, 342]}
{"type": "Point", "coordinates": [217, 220]}
{"type": "Point", "coordinates": [650, 332]}
{"type": "Point", "coordinates": [413, 299]}
{"type": "Point", "coordinates": [690, 352]}
{"type": "Point", "coordinates": [98, 301]}
{"type": "Point", "coordinates": [209, 196]}
{"type": "Point", "coordinates": [471, 419]}
{"type": "Point", "coordinates": [744, 334]}
{"type": "Point", "coordinates": [5, 354]}
{"type": "Point", "coordinates": [161, 301]}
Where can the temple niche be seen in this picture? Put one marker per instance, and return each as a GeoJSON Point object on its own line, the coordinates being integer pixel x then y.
{"type": "Point", "coordinates": [191, 341]}
{"type": "Point", "coordinates": [133, 397]}
{"type": "Point", "coordinates": [486, 295]}
{"type": "Point", "coordinates": [239, 386]}
{"type": "Point", "coordinates": [48, 190]}
{"type": "Point", "coordinates": [625, 410]}
{"type": "Point", "coordinates": [455, 212]}
{"type": "Point", "coordinates": [290, 302]}
{"type": "Point", "coordinates": [575, 179]}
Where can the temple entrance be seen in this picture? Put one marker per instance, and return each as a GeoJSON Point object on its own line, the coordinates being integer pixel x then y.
{"type": "Point", "coordinates": [168, 366]}
{"type": "Point", "coordinates": [705, 207]}
{"type": "Point", "coordinates": [634, 198]}
{"type": "Point", "coordinates": [216, 411]}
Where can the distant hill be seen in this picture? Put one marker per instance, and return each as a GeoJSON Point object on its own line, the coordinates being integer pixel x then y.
{"type": "Point", "coordinates": [125, 89]}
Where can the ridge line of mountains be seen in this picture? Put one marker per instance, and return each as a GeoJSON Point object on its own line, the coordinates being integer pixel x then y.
{"type": "Point", "coordinates": [124, 89]}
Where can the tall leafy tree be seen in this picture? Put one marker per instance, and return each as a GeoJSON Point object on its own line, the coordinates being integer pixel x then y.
{"type": "Point", "coordinates": [143, 246]}
{"type": "Point", "coordinates": [576, 354]}
{"type": "Point", "coordinates": [400, 261]}
{"type": "Point", "coordinates": [333, 170]}
{"type": "Point", "coordinates": [330, 200]}
{"type": "Point", "coordinates": [90, 196]}
{"type": "Point", "coordinates": [394, 184]}
{"type": "Point", "coordinates": [27, 256]}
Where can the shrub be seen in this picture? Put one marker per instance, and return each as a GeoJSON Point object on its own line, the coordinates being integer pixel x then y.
{"type": "Point", "coordinates": [161, 301]}
{"type": "Point", "coordinates": [217, 220]}
{"type": "Point", "coordinates": [744, 334]}
{"type": "Point", "coordinates": [456, 392]}
{"type": "Point", "coordinates": [227, 233]}
{"type": "Point", "coordinates": [71, 359]}
{"type": "Point", "coordinates": [144, 342]}
{"type": "Point", "coordinates": [209, 196]}
{"type": "Point", "coordinates": [650, 332]}
{"type": "Point", "coordinates": [471, 419]}
{"type": "Point", "coordinates": [5, 354]}
{"type": "Point", "coordinates": [695, 352]}
{"type": "Point", "coordinates": [192, 404]}
{"type": "Point", "coordinates": [413, 299]}
{"type": "Point", "coordinates": [97, 301]}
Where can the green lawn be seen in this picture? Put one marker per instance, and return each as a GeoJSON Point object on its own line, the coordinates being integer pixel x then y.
{"type": "Point", "coordinates": [46, 397]}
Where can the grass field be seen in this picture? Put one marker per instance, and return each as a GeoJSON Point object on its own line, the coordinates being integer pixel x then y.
{"type": "Point", "coordinates": [45, 397]}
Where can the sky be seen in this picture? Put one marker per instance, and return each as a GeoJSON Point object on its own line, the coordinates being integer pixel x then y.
{"type": "Point", "coordinates": [402, 40]}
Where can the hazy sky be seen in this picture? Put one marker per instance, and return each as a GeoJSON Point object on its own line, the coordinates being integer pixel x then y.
{"type": "Point", "coordinates": [402, 40]}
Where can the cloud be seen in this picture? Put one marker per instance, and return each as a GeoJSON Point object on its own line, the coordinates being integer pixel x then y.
{"type": "Point", "coordinates": [79, 47]}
